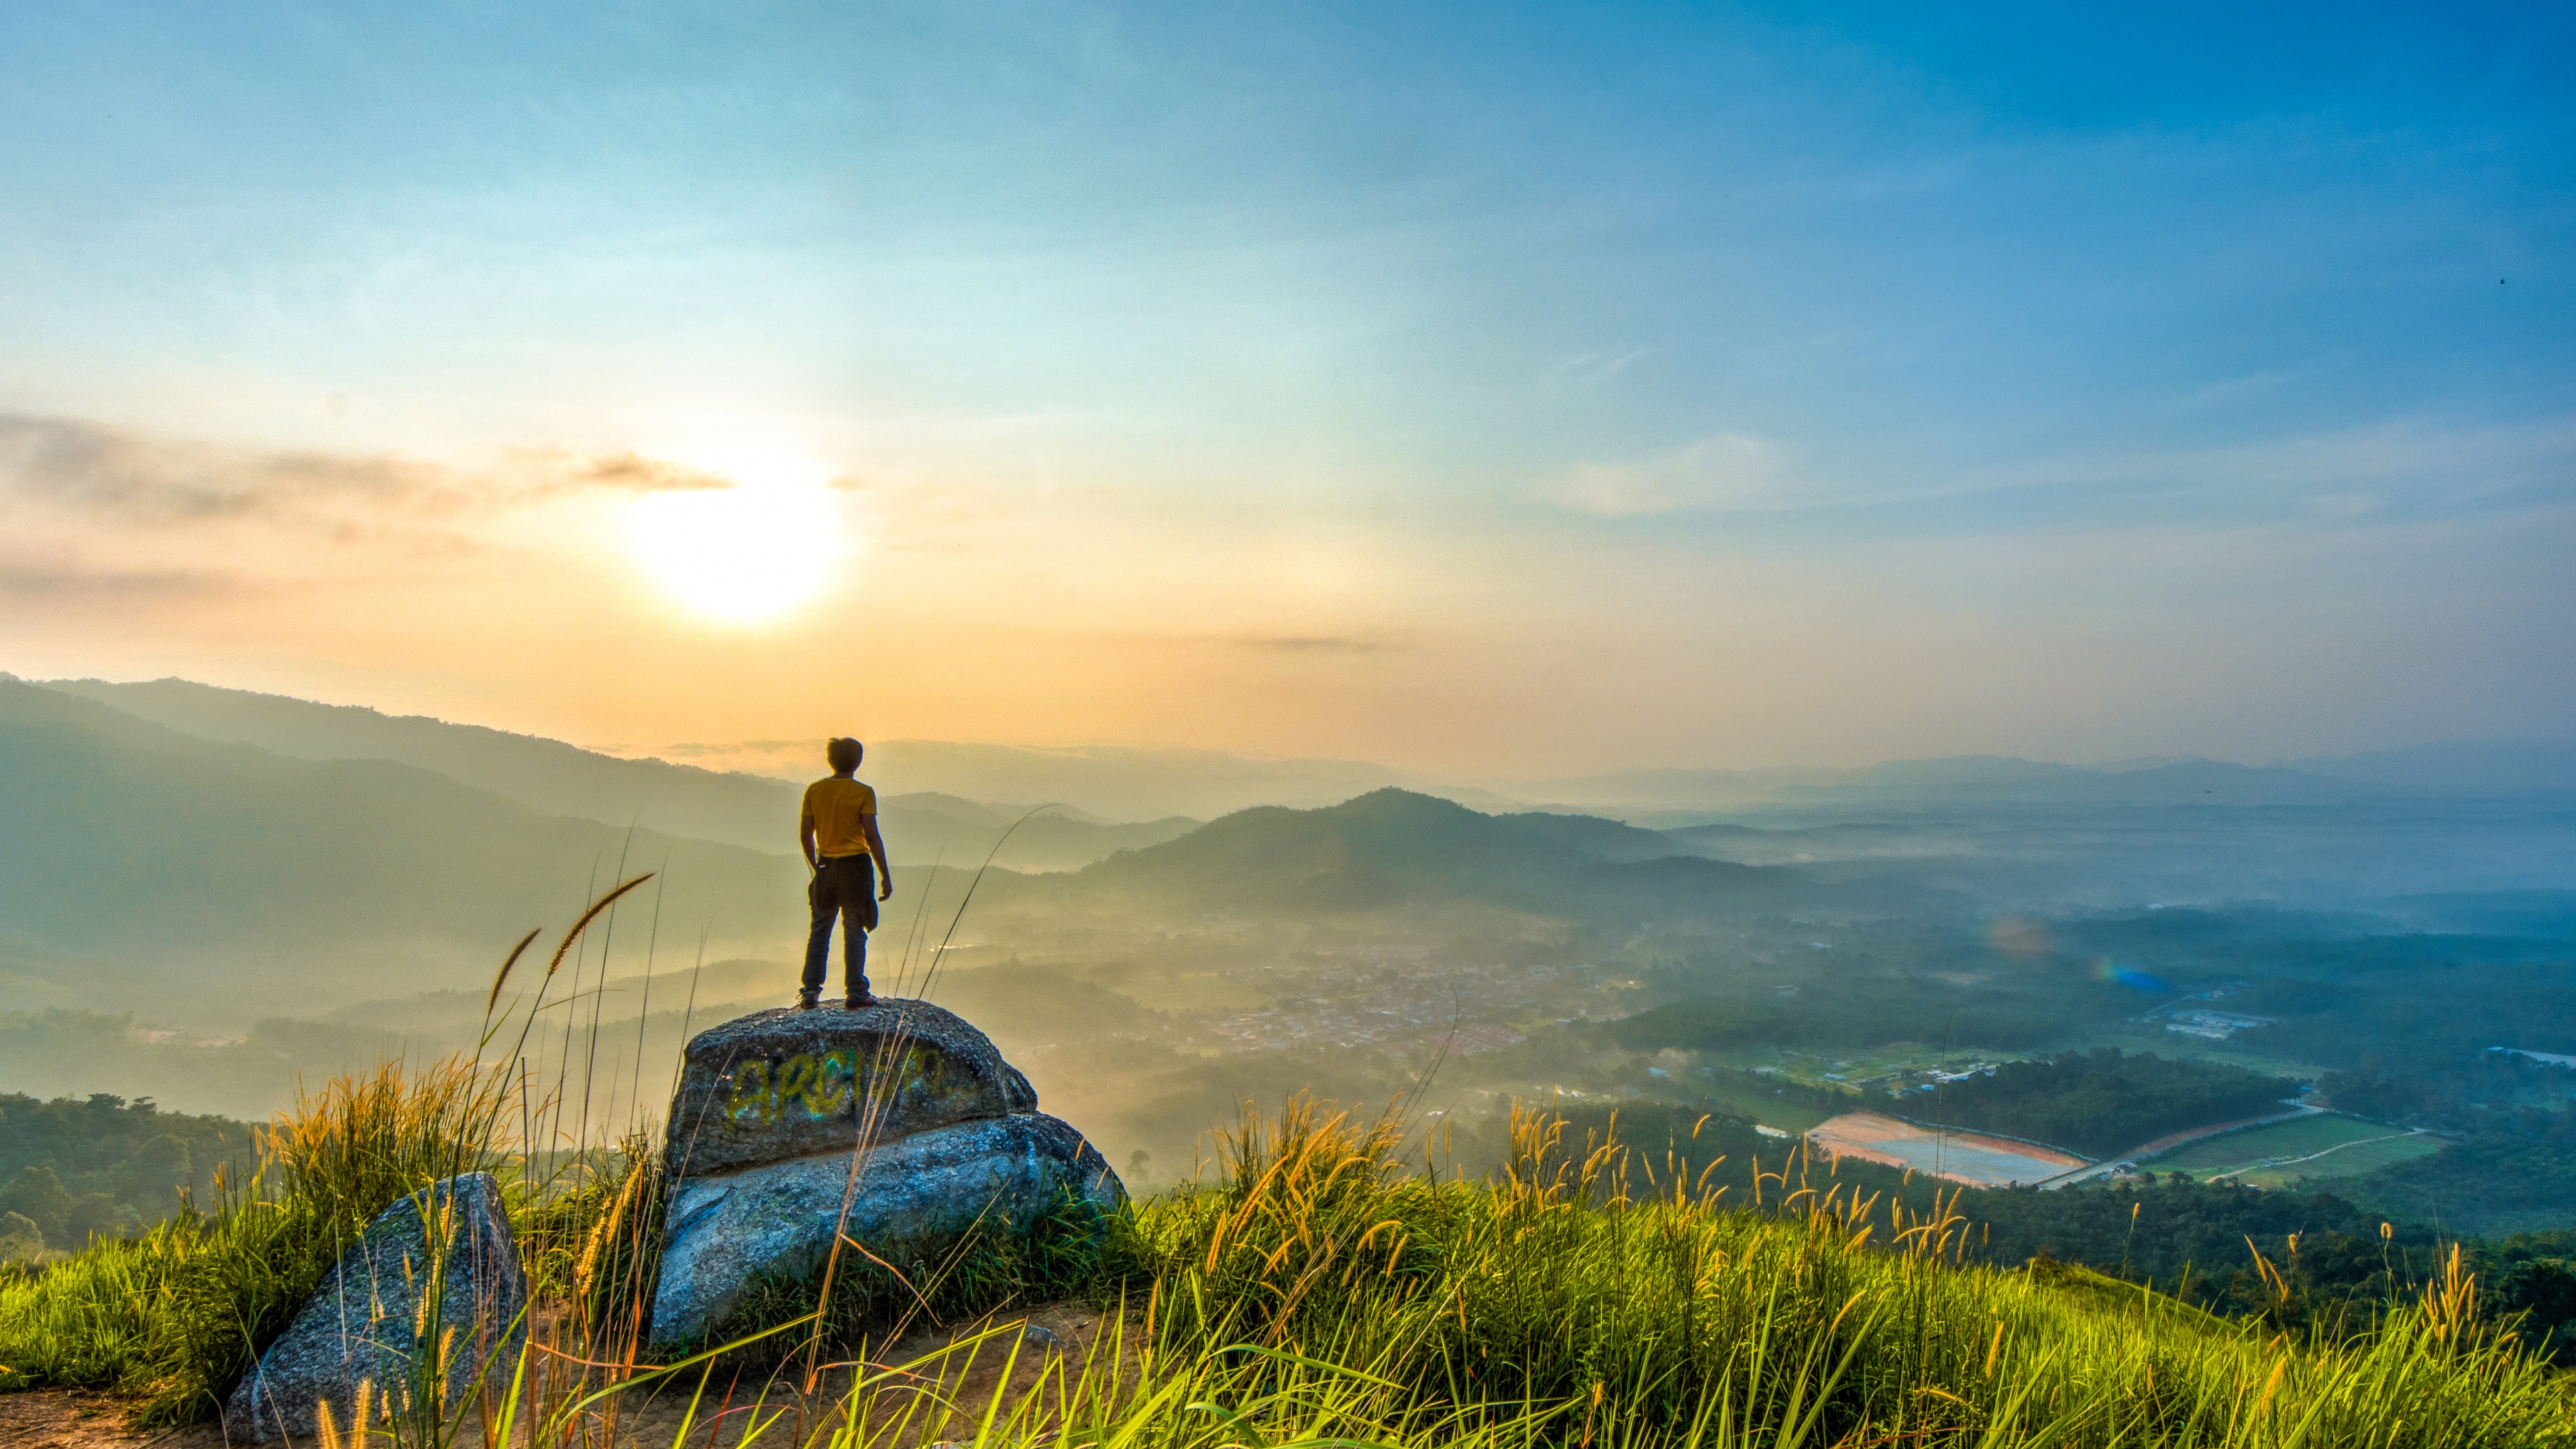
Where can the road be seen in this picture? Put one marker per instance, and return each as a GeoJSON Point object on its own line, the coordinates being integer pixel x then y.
{"type": "Point", "coordinates": [2169, 1142]}
{"type": "Point", "coordinates": [2313, 1156]}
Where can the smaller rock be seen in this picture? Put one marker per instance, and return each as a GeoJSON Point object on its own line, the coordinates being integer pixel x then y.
{"type": "Point", "coordinates": [361, 1325]}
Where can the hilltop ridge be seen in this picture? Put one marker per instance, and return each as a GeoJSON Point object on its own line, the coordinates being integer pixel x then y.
{"type": "Point", "coordinates": [1394, 846]}
{"type": "Point", "coordinates": [757, 812]}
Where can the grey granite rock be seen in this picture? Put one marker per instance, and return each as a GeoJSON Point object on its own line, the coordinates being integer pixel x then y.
{"type": "Point", "coordinates": [783, 1084]}
{"type": "Point", "coordinates": [778, 1218]}
{"type": "Point", "coordinates": [361, 1323]}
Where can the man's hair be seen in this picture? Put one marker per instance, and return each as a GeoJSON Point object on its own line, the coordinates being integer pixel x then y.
{"type": "Point", "coordinates": [843, 754]}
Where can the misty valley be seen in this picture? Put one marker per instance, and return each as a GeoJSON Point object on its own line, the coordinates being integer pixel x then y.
{"type": "Point", "coordinates": [2107, 1024]}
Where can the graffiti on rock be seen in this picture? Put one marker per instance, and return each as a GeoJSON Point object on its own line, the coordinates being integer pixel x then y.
{"type": "Point", "coordinates": [836, 1083]}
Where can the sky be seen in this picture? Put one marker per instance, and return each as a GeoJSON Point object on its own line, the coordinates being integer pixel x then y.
{"type": "Point", "coordinates": [1469, 388]}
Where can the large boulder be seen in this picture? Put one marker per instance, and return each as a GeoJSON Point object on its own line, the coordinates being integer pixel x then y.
{"type": "Point", "coordinates": [365, 1322]}
{"type": "Point", "coordinates": [779, 1220]}
{"type": "Point", "coordinates": [896, 1124]}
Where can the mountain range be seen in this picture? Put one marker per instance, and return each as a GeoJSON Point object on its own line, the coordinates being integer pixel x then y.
{"type": "Point", "coordinates": [757, 812]}
{"type": "Point", "coordinates": [233, 854]}
{"type": "Point", "coordinates": [148, 868]}
{"type": "Point", "coordinates": [1112, 798]}
{"type": "Point", "coordinates": [217, 879]}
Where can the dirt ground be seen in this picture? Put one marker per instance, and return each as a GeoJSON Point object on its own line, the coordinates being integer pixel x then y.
{"type": "Point", "coordinates": [1961, 1157]}
{"type": "Point", "coordinates": [84, 1419]}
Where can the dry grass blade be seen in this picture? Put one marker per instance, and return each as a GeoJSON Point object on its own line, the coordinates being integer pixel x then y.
{"type": "Point", "coordinates": [588, 916]}
{"type": "Point", "coordinates": [515, 953]}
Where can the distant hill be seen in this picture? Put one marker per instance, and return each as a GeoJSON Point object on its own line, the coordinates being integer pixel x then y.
{"type": "Point", "coordinates": [161, 872]}
{"type": "Point", "coordinates": [1983, 780]}
{"type": "Point", "coordinates": [1392, 847]}
{"type": "Point", "coordinates": [754, 811]}
{"type": "Point", "coordinates": [2460, 767]}
{"type": "Point", "coordinates": [1114, 782]}
{"type": "Point", "coordinates": [1965, 779]}
{"type": "Point", "coordinates": [1853, 840]}
{"type": "Point", "coordinates": [1121, 782]}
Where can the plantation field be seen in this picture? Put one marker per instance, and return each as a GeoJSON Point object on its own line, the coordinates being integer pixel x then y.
{"type": "Point", "coordinates": [2283, 1152]}
{"type": "Point", "coordinates": [1770, 1111]}
{"type": "Point", "coordinates": [1870, 1070]}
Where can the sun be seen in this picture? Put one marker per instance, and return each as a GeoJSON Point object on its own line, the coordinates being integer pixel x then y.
{"type": "Point", "coordinates": [742, 554]}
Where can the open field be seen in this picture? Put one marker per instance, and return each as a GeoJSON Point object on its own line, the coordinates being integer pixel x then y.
{"type": "Point", "coordinates": [1953, 1156]}
{"type": "Point", "coordinates": [1768, 1110]}
{"type": "Point", "coordinates": [1864, 1074]}
{"type": "Point", "coordinates": [1871, 1070]}
{"type": "Point", "coordinates": [2281, 1153]}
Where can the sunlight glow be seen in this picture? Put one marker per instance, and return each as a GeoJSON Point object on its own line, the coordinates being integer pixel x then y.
{"type": "Point", "coordinates": [743, 554]}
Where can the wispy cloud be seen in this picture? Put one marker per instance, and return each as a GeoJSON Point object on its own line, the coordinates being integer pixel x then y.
{"type": "Point", "coordinates": [636, 473]}
{"type": "Point", "coordinates": [122, 477]}
{"type": "Point", "coordinates": [129, 478]}
{"type": "Point", "coordinates": [1728, 471]}
{"type": "Point", "coordinates": [92, 510]}
{"type": "Point", "coordinates": [41, 581]}
{"type": "Point", "coordinates": [1312, 644]}
{"type": "Point", "coordinates": [2403, 468]}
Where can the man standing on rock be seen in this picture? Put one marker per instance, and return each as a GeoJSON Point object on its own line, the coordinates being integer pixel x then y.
{"type": "Point", "coordinates": [839, 831]}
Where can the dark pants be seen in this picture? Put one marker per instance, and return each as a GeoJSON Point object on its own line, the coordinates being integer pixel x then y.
{"type": "Point", "coordinates": [846, 887]}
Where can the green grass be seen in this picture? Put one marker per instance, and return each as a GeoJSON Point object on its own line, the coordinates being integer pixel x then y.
{"type": "Point", "coordinates": [1758, 1106]}
{"type": "Point", "coordinates": [1317, 1292]}
{"type": "Point", "coordinates": [2349, 1146]}
{"type": "Point", "coordinates": [171, 1318]}
{"type": "Point", "coordinates": [1668, 1313]}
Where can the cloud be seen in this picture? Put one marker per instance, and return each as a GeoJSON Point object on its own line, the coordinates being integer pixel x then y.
{"type": "Point", "coordinates": [119, 476]}
{"type": "Point", "coordinates": [636, 473]}
{"type": "Point", "coordinates": [89, 511]}
{"type": "Point", "coordinates": [1311, 644]}
{"type": "Point", "coordinates": [1724, 472]}
{"type": "Point", "coordinates": [58, 581]}
{"type": "Point", "coordinates": [2401, 470]}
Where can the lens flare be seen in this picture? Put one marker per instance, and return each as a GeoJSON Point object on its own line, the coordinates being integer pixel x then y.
{"type": "Point", "coordinates": [2106, 969]}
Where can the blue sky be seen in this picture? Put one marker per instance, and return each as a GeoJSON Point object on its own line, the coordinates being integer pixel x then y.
{"type": "Point", "coordinates": [1560, 388]}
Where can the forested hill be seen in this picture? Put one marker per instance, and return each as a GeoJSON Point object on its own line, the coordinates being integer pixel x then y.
{"type": "Point", "coordinates": [1392, 846]}
{"type": "Point", "coordinates": [75, 1168]}
{"type": "Point", "coordinates": [752, 811]}
{"type": "Point", "coordinates": [223, 876]}
{"type": "Point", "coordinates": [2104, 1101]}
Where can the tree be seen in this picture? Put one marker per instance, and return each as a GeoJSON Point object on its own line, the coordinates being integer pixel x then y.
{"type": "Point", "coordinates": [41, 1198]}
{"type": "Point", "coordinates": [20, 1242]}
{"type": "Point", "coordinates": [98, 1215]}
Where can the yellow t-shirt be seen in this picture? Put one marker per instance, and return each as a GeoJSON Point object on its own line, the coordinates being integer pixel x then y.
{"type": "Point", "coordinates": [835, 807]}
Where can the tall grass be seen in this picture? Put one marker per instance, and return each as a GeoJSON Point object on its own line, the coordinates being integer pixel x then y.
{"type": "Point", "coordinates": [1675, 1318]}
{"type": "Point", "coordinates": [1320, 1290]}
{"type": "Point", "coordinates": [171, 1318]}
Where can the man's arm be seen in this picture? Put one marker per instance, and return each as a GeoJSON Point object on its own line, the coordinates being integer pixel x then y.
{"type": "Point", "coordinates": [805, 837]}
{"type": "Point", "coordinates": [876, 848]}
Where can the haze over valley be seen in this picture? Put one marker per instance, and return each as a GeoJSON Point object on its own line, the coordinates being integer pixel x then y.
{"type": "Point", "coordinates": [337, 886]}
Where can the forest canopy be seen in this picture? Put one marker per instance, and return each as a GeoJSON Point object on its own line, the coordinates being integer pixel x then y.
{"type": "Point", "coordinates": [2103, 1101]}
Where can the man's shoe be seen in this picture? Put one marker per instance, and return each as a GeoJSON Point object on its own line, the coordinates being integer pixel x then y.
{"type": "Point", "coordinates": [808, 1000]}
{"type": "Point", "coordinates": [858, 1001]}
